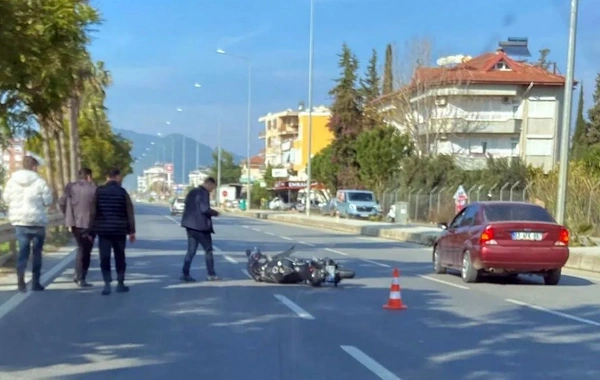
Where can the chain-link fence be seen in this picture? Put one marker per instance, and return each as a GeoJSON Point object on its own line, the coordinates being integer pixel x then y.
{"type": "Point", "coordinates": [438, 204]}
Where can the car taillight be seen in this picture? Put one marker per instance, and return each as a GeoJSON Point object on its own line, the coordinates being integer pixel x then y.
{"type": "Point", "coordinates": [487, 236]}
{"type": "Point", "coordinates": [563, 237]}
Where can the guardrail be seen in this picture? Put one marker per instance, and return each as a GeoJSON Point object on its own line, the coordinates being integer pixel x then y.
{"type": "Point", "coordinates": [7, 234]}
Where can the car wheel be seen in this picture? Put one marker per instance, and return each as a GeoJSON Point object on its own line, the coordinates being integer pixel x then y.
{"type": "Point", "coordinates": [552, 277]}
{"type": "Point", "coordinates": [438, 268]}
{"type": "Point", "coordinates": [468, 273]}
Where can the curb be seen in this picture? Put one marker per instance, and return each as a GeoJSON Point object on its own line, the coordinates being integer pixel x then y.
{"type": "Point", "coordinates": [579, 260]}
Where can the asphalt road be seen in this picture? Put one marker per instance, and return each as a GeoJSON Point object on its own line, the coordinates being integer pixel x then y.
{"type": "Point", "coordinates": [238, 329]}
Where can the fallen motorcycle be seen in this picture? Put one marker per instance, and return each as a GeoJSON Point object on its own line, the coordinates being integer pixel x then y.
{"type": "Point", "coordinates": [283, 269]}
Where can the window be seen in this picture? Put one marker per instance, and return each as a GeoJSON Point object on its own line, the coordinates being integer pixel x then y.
{"type": "Point", "coordinates": [478, 147]}
{"type": "Point", "coordinates": [514, 147]}
{"type": "Point", "coordinates": [502, 66]}
{"type": "Point", "coordinates": [360, 197]}
{"type": "Point", "coordinates": [469, 217]}
{"type": "Point", "coordinates": [484, 147]}
{"type": "Point", "coordinates": [457, 219]}
{"type": "Point", "coordinates": [517, 212]}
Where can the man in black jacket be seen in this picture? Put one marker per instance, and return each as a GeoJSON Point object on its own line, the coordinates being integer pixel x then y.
{"type": "Point", "coordinates": [197, 220]}
{"type": "Point", "coordinates": [76, 205]}
{"type": "Point", "coordinates": [112, 220]}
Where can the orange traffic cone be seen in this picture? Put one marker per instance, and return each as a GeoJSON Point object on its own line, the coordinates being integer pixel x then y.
{"type": "Point", "coordinates": [395, 299]}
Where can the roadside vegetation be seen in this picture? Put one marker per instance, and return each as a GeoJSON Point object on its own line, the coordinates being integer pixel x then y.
{"type": "Point", "coordinates": [366, 153]}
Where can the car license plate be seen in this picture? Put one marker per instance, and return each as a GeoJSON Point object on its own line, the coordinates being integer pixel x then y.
{"type": "Point", "coordinates": [529, 236]}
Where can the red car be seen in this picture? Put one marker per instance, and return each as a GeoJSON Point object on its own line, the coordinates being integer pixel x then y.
{"type": "Point", "coordinates": [502, 238]}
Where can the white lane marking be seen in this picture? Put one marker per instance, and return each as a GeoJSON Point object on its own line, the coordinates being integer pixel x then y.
{"type": "Point", "coordinates": [444, 282]}
{"type": "Point", "coordinates": [270, 233]}
{"type": "Point", "coordinates": [286, 238]}
{"type": "Point", "coordinates": [554, 312]}
{"type": "Point", "coordinates": [305, 243]}
{"type": "Point", "coordinates": [244, 271]}
{"type": "Point", "coordinates": [376, 263]}
{"type": "Point", "coordinates": [255, 229]}
{"type": "Point", "coordinates": [230, 259]}
{"type": "Point", "coordinates": [46, 280]}
{"type": "Point", "coordinates": [293, 307]}
{"type": "Point", "coordinates": [336, 251]}
{"type": "Point", "coordinates": [171, 219]}
{"type": "Point", "coordinates": [215, 248]}
{"type": "Point", "coordinates": [245, 227]}
{"type": "Point", "coordinates": [377, 369]}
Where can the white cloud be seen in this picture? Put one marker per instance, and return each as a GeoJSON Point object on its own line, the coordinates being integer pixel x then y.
{"type": "Point", "coordinates": [148, 77]}
{"type": "Point", "coordinates": [230, 41]}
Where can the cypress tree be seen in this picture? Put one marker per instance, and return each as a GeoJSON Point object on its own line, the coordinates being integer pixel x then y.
{"type": "Point", "coordinates": [388, 76]}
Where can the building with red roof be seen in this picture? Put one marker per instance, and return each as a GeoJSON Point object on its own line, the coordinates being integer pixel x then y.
{"type": "Point", "coordinates": [473, 108]}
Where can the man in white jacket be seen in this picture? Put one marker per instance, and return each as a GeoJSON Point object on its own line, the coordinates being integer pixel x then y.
{"type": "Point", "coordinates": [27, 196]}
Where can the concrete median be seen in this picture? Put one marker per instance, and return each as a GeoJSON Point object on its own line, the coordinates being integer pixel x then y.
{"type": "Point", "coordinates": [581, 258]}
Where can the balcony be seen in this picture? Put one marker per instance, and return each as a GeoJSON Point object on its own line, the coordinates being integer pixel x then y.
{"type": "Point", "coordinates": [462, 126]}
{"type": "Point", "coordinates": [288, 129]}
{"type": "Point", "coordinates": [262, 135]}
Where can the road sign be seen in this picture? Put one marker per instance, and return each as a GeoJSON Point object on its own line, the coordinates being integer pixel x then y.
{"type": "Point", "coordinates": [169, 168]}
{"type": "Point", "coordinates": [224, 193]}
{"type": "Point", "coordinates": [460, 199]}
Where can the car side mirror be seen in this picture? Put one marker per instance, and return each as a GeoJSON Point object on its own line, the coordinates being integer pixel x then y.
{"type": "Point", "coordinates": [443, 225]}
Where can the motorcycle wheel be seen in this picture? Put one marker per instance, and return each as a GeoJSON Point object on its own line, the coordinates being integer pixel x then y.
{"type": "Point", "coordinates": [346, 273]}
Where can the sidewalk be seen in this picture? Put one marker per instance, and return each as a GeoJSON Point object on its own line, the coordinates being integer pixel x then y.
{"type": "Point", "coordinates": [581, 258]}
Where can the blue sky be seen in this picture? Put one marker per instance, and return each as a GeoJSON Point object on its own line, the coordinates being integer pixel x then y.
{"type": "Point", "coordinates": [157, 49]}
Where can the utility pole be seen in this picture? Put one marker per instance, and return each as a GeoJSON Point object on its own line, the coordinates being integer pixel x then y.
{"type": "Point", "coordinates": [183, 159]}
{"type": "Point", "coordinates": [310, 108]}
{"type": "Point", "coordinates": [563, 169]}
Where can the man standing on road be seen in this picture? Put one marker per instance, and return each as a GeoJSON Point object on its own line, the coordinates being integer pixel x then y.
{"type": "Point", "coordinates": [197, 220]}
{"type": "Point", "coordinates": [27, 196]}
{"type": "Point", "coordinates": [76, 205]}
{"type": "Point", "coordinates": [112, 219]}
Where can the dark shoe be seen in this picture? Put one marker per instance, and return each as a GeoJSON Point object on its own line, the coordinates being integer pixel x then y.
{"type": "Point", "coordinates": [212, 278]}
{"type": "Point", "coordinates": [84, 284]}
{"type": "Point", "coordinates": [122, 288]}
{"type": "Point", "coordinates": [187, 278]}
{"type": "Point", "coordinates": [106, 290]}
{"type": "Point", "coordinates": [21, 285]}
{"type": "Point", "coordinates": [37, 287]}
{"type": "Point", "coordinates": [75, 280]}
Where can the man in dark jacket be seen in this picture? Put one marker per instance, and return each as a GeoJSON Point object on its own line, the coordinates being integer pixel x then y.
{"type": "Point", "coordinates": [112, 220]}
{"type": "Point", "coordinates": [197, 220]}
{"type": "Point", "coordinates": [76, 205]}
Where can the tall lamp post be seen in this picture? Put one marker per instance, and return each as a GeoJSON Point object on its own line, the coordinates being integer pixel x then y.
{"type": "Point", "coordinates": [197, 85]}
{"type": "Point", "coordinates": [249, 121]}
{"type": "Point", "coordinates": [563, 173]}
{"type": "Point", "coordinates": [310, 107]}
{"type": "Point", "coordinates": [219, 158]}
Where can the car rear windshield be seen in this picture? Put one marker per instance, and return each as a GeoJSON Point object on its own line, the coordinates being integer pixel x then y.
{"type": "Point", "coordinates": [180, 200]}
{"type": "Point", "coordinates": [517, 212]}
{"type": "Point", "coordinates": [360, 197]}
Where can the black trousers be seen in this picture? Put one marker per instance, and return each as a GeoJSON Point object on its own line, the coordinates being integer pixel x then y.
{"type": "Point", "coordinates": [84, 252]}
{"type": "Point", "coordinates": [204, 239]}
{"type": "Point", "coordinates": [116, 244]}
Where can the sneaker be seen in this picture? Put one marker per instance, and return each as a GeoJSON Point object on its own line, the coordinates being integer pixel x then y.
{"type": "Point", "coordinates": [22, 286]}
{"type": "Point", "coordinates": [84, 284]}
{"type": "Point", "coordinates": [187, 278]}
{"type": "Point", "coordinates": [106, 290]}
{"type": "Point", "coordinates": [37, 287]}
{"type": "Point", "coordinates": [122, 288]}
{"type": "Point", "coordinates": [212, 278]}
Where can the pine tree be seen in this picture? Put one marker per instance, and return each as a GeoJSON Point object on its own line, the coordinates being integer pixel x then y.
{"type": "Point", "coordinates": [593, 134]}
{"type": "Point", "coordinates": [370, 91]}
{"type": "Point", "coordinates": [346, 113]}
{"type": "Point", "coordinates": [579, 140]}
{"type": "Point", "coordinates": [369, 85]}
{"type": "Point", "coordinates": [346, 120]}
{"type": "Point", "coordinates": [388, 76]}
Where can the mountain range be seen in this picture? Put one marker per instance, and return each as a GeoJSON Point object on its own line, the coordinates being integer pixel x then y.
{"type": "Point", "coordinates": [149, 149]}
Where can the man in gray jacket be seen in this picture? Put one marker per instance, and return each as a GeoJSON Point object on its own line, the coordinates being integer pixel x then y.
{"type": "Point", "coordinates": [76, 205]}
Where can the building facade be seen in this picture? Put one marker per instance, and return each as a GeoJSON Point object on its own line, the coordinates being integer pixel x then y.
{"type": "Point", "coordinates": [197, 177]}
{"type": "Point", "coordinates": [286, 138]}
{"type": "Point", "coordinates": [255, 171]}
{"type": "Point", "coordinates": [491, 105]}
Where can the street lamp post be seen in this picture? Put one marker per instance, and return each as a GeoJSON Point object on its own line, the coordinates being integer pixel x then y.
{"type": "Point", "coordinates": [183, 159]}
{"type": "Point", "coordinates": [249, 121]}
{"type": "Point", "coordinates": [563, 170]}
{"type": "Point", "coordinates": [219, 158]}
{"type": "Point", "coordinates": [310, 108]}
{"type": "Point", "coordinates": [197, 85]}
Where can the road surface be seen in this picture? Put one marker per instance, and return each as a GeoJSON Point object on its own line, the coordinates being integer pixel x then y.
{"type": "Point", "coordinates": [238, 329]}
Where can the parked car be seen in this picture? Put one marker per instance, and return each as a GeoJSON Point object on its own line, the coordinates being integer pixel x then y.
{"type": "Point", "coordinates": [177, 206]}
{"type": "Point", "coordinates": [356, 203]}
{"type": "Point", "coordinates": [502, 238]}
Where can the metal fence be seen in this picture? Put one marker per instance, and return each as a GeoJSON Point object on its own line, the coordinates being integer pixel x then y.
{"type": "Point", "coordinates": [436, 205]}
